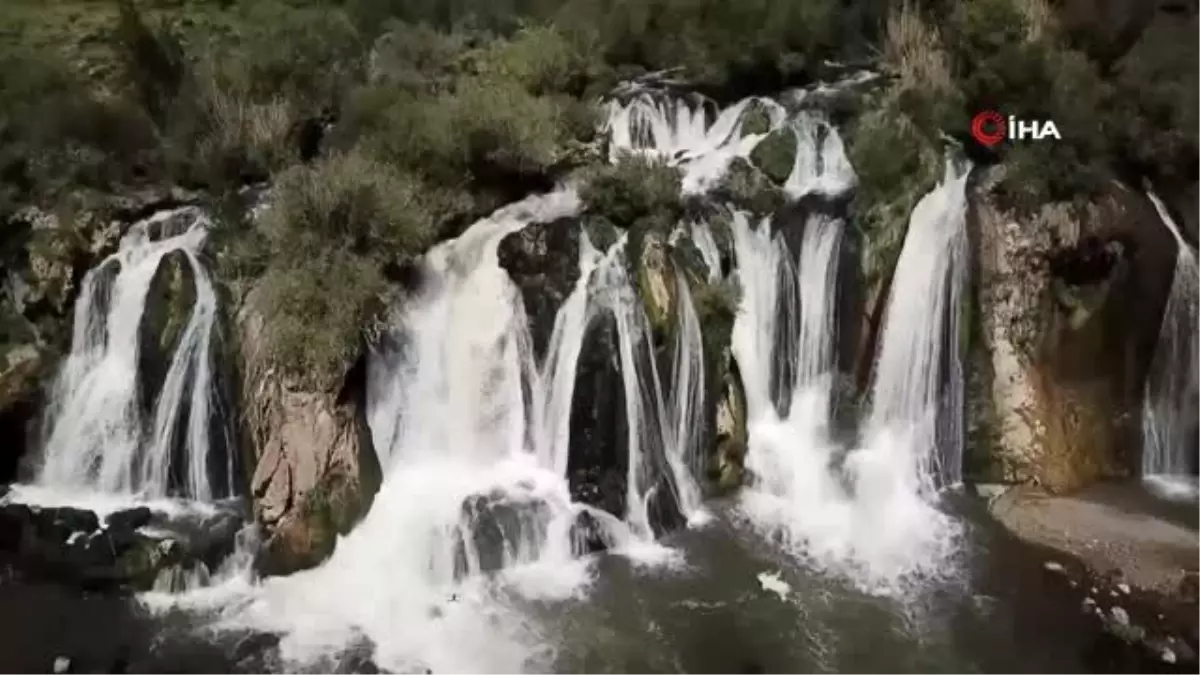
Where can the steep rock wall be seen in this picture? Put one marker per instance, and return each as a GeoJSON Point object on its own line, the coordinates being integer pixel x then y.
{"type": "Point", "coordinates": [1067, 308]}
{"type": "Point", "coordinates": [315, 471]}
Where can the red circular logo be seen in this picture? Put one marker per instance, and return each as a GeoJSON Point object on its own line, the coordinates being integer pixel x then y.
{"type": "Point", "coordinates": [988, 128]}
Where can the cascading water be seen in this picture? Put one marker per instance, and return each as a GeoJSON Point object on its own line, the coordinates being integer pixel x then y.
{"type": "Point", "coordinates": [1170, 401]}
{"type": "Point", "coordinates": [101, 438]}
{"type": "Point", "coordinates": [678, 131]}
{"type": "Point", "coordinates": [472, 434]}
{"type": "Point", "coordinates": [913, 436]}
{"type": "Point", "coordinates": [871, 515]}
{"type": "Point", "coordinates": [702, 238]}
{"type": "Point", "coordinates": [663, 438]}
{"type": "Point", "coordinates": [917, 391]}
{"type": "Point", "coordinates": [820, 166]}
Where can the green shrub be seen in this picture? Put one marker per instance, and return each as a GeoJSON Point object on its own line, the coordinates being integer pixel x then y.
{"type": "Point", "coordinates": [896, 164]}
{"type": "Point", "coordinates": [748, 188]}
{"type": "Point", "coordinates": [349, 202]}
{"type": "Point", "coordinates": [489, 132]}
{"type": "Point", "coordinates": [542, 60]}
{"type": "Point", "coordinates": [314, 312]}
{"type": "Point", "coordinates": [56, 135]}
{"type": "Point", "coordinates": [331, 231]}
{"type": "Point", "coordinates": [1155, 116]}
{"type": "Point", "coordinates": [633, 191]}
{"type": "Point", "coordinates": [417, 58]}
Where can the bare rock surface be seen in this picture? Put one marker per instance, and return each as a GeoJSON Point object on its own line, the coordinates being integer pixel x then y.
{"type": "Point", "coordinates": [1131, 556]}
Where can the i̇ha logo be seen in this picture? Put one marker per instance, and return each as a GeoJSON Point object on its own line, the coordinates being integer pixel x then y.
{"type": "Point", "coordinates": [990, 128]}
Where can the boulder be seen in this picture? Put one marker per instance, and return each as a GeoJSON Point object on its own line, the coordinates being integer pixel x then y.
{"type": "Point", "coordinates": [315, 468]}
{"type": "Point", "coordinates": [495, 526]}
{"type": "Point", "coordinates": [68, 546]}
{"type": "Point", "coordinates": [169, 303]}
{"type": "Point", "coordinates": [1068, 315]}
{"type": "Point", "coordinates": [775, 155]}
{"type": "Point", "coordinates": [542, 259]}
{"type": "Point", "coordinates": [22, 368]}
{"type": "Point", "coordinates": [598, 463]}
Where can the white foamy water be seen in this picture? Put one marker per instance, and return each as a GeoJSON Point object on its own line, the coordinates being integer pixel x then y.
{"type": "Point", "coordinates": [474, 510]}
{"type": "Point", "coordinates": [869, 512]}
{"type": "Point", "coordinates": [663, 425]}
{"type": "Point", "coordinates": [104, 437]}
{"type": "Point", "coordinates": [1171, 398]}
{"type": "Point", "coordinates": [685, 132]}
{"type": "Point", "coordinates": [706, 243]}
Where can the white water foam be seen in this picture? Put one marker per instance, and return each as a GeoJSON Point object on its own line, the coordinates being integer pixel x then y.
{"type": "Point", "coordinates": [474, 512]}
{"type": "Point", "coordinates": [873, 516]}
{"type": "Point", "coordinates": [1171, 397]}
{"type": "Point", "coordinates": [100, 439]}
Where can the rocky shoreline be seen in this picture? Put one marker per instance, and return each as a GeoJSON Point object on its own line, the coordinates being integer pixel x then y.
{"type": "Point", "coordinates": [1130, 560]}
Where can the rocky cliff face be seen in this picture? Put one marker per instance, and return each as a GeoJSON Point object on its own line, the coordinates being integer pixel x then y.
{"type": "Point", "coordinates": [315, 471]}
{"type": "Point", "coordinates": [1069, 302]}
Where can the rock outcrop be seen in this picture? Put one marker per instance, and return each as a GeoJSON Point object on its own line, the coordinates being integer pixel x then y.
{"type": "Point", "coordinates": [1069, 305]}
{"type": "Point", "coordinates": [315, 469]}
{"type": "Point", "coordinates": [169, 303]}
{"type": "Point", "coordinates": [132, 550]}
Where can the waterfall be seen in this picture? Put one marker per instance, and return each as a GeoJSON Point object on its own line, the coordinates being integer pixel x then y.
{"type": "Point", "coordinates": [821, 166]}
{"type": "Point", "coordinates": [1170, 401]}
{"type": "Point", "coordinates": [702, 237]}
{"type": "Point", "coordinates": [785, 324]}
{"type": "Point", "coordinates": [473, 436]}
{"type": "Point", "coordinates": [662, 425]}
{"type": "Point", "coordinates": [103, 436]}
{"type": "Point", "coordinates": [868, 511]}
{"type": "Point", "coordinates": [685, 406]}
{"type": "Point", "coordinates": [678, 131]}
{"type": "Point", "coordinates": [917, 389]}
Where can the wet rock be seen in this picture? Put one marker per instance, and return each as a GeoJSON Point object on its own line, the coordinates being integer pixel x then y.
{"type": "Point", "coordinates": [129, 519]}
{"type": "Point", "coordinates": [747, 187]}
{"type": "Point", "coordinates": [656, 283]}
{"type": "Point", "coordinates": [1189, 587]}
{"type": "Point", "coordinates": [776, 154]}
{"type": "Point", "coordinates": [496, 527]}
{"type": "Point", "coordinates": [598, 462]}
{"type": "Point", "coordinates": [169, 303]}
{"type": "Point", "coordinates": [315, 468]}
{"type": "Point", "coordinates": [1069, 308]}
{"type": "Point", "coordinates": [542, 259]}
{"type": "Point", "coordinates": [67, 546]}
{"type": "Point", "coordinates": [731, 434]}
{"type": "Point", "coordinates": [587, 535]}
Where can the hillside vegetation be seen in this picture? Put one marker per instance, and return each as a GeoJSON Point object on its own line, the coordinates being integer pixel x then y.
{"type": "Point", "coordinates": [386, 125]}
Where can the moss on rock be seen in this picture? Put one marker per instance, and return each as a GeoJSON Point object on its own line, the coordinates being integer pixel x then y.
{"type": "Point", "coordinates": [747, 187]}
{"type": "Point", "coordinates": [776, 154]}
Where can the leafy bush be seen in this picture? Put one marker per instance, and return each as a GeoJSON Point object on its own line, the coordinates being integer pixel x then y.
{"type": "Point", "coordinates": [542, 60]}
{"type": "Point", "coordinates": [1155, 119]}
{"type": "Point", "coordinates": [331, 231]}
{"type": "Point", "coordinates": [55, 134]}
{"type": "Point", "coordinates": [314, 312]}
{"type": "Point", "coordinates": [896, 163]}
{"type": "Point", "coordinates": [348, 202]}
{"type": "Point", "coordinates": [633, 191]}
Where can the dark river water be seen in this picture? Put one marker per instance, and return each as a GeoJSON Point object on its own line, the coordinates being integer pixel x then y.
{"type": "Point", "coordinates": [1003, 612]}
